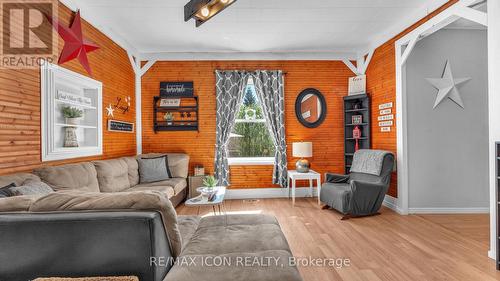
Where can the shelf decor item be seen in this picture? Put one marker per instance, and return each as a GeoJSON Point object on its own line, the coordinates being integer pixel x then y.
{"type": "Point", "coordinates": [302, 150]}
{"type": "Point", "coordinates": [70, 138]}
{"type": "Point", "coordinates": [72, 115]}
{"type": "Point", "coordinates": [357, 119]}
{"type": "Point", "coordinates": [175, 118]}
{"type": "Point", "coordinates": [176, 89]}
{"type": "Point", "coordinates": [170, 102]}
{"type": "Point", "coordinates": [356, 126]}
{"type": "Point", "coordinates": [199, 170]}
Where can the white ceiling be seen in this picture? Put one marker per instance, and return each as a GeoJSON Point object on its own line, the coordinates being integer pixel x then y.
{"type": "Point", "coordinates": [310, 27]}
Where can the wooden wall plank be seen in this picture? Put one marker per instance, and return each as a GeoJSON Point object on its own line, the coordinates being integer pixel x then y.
{"type": "Point", "coordinates": [330, 77]}
{"type": "Point", "coordinates": [20, 148]}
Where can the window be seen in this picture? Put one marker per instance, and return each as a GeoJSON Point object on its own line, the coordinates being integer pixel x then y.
{"type": "Point", "coordinates": [250, 142]}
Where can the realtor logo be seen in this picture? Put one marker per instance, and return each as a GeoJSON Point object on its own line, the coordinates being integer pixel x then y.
{"type": "Point", "coordinates": [27, 37]}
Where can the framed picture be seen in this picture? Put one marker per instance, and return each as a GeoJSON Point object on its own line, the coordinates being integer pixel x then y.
{"type": "Point", "coordinates": [170, 102]}
{"type": "Point", "coordinates": [357, 119]}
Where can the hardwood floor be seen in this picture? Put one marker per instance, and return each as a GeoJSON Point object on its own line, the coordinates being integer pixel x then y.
{"type": "Point", "coordinates": [385, 247]}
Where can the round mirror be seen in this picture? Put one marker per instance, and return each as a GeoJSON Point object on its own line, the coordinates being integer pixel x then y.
{"type": "Point", "coordinates": [310, 108]}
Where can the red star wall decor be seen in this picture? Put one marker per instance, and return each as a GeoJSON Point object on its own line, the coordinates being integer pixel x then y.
{"type": "Point", "coordinates": [75, 46]}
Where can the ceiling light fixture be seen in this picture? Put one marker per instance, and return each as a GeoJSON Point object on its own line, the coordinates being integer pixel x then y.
{"type": "Point", "coordinates": [203, 10]}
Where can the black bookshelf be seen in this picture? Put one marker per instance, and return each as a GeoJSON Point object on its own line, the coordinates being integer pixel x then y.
{"type": "Point", "coordinates": [497, 170]}
{"type": "Point", "coordinates": [185, 115]}
{"type": "Point", "coordinates": [356, 105]}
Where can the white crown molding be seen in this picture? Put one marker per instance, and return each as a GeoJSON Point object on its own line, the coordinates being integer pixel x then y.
{"type": "Point", "coordinates": [84, 13]}
{"type": "Point", "coordinates": [228, 56]}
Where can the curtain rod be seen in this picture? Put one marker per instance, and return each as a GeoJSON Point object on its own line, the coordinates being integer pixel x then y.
{"type": "Point", "coordinates": [284, 72]}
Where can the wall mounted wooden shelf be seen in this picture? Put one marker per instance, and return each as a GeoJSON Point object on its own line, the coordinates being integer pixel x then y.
{"type": "Point", "coordinates": [185, 115]}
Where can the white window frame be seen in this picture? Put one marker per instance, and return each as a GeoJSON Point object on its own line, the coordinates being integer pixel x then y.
{"type": "Point", "coordinates": [250, 161]}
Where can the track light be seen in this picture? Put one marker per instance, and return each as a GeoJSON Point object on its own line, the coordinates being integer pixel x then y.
{"type": "Point", "coordinates": [203, 10]}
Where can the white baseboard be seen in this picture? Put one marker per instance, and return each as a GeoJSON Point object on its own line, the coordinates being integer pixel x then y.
{"type": "Point", "coordinates": [479, 210]}
{"type": "Point", "coordinates": [262, 193]}
{"type": "Point", "coordinates": [392, 203]}
{"type": "Point", "coordinates": [491, 255]}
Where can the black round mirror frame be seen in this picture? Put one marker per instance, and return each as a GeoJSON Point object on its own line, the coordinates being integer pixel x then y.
{"type": "Point", "coordinates": [298, 112]}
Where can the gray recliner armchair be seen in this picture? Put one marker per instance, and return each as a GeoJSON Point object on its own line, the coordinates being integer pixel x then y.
{"type": "Point", "coordinates": [362, 192]}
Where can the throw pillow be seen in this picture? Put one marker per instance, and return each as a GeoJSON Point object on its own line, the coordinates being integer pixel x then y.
{"type": "Point", "coordinates": [6, 192]}
{"type": "Point", "coordinates": [153, 169]}
{"type": "Point", "coordinates": [31, 187]}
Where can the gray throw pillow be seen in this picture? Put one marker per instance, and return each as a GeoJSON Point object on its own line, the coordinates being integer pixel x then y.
{"type": "Point", "coordinates": [6, 191]}
{"type": "Point", "coordinates": [153, 169]}
{"type": "Point", "coordinates": [31, 187]}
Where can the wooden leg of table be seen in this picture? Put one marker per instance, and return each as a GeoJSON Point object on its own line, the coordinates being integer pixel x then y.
{"type": "Point", "coordinates": [198, 213]}
{"type": "Point", "coordinates": [311, 187]}
{"type": "Point", "coordinates": [293, 191]}
{"type": "Point", "coordinates": [220, 212]}
{"type": "Point", "coordinates": [215, 212]}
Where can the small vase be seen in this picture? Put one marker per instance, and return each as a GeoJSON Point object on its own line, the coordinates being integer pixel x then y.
{"type": "Point", "coordinates": [73, 121]}
{"type": "Point", "coordinates": [70, 138]}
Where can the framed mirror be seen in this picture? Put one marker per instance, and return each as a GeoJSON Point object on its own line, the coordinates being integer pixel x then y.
{"type": "Point", "coordinates": [310, 108]}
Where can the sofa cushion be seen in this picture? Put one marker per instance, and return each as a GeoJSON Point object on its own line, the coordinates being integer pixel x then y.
{"type": "Point", "coordinates": [17, 179]}
{"type": "Point", "coordinates": [167, 190]}
{"type": "Point", "coordinates": [81, 177]}
{"type": "Point", "coordinates": [236, 238]}
{"type": "Point", "coordinates": [6, 191]}
{"type": "Point", "coordinates": [153, 169]}
{"type": "Point", "coordinates": [112, 175]}
{"type": "Point", "coordinates": [187, 227]}
{"type": "Point", "coordinates": [178, 184]}
{"type": "Point", "coordinates": [133, 170]}
{"type": "Point", "coordinates": [31, 187]}
{"type": "Point", "coordinates": [178, 163]}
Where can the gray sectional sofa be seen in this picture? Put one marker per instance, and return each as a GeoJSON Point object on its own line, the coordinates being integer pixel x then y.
{"type": "Point", "coordinates": [102, 222]}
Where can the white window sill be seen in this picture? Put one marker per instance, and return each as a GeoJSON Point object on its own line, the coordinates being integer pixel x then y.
{"type": "Point", "coordinates": [250, 161]}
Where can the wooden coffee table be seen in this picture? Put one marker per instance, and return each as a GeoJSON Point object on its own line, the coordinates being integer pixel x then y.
{"type": "Point", "coordinates": [217, 203]}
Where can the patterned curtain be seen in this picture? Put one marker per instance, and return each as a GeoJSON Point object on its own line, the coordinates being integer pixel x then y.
{"type": "Point", "coordinates": [230, 86]}
{"type": "Point", "coordinates": [270, 91]}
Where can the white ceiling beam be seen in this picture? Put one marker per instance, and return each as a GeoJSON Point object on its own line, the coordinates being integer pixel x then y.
{"type": "Point", "coordinates": [228, 56]}
{"type": "Point", "coordinates": [472, 15]}
{"type": "Point", "coordinates": [409, 49]}
{"type": "Point", "coordinates": [366, 62]}
{"type": "Point", "coordinates": [146, 67]}
{"type": "Point", "coordinates": [351, 66]}
{"type": "Point", "coordinates": [132, 62]}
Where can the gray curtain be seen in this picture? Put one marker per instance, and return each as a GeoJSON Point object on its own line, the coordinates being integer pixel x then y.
{"type": "Point", "coordinates": [229, 87]}
{"type": "Point", "coordinates": [269, 88]}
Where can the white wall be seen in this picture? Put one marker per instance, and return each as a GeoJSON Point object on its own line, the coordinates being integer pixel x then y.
{"type": "Point", "coordinates": [448, 145]}
{"type": "Point", "coordinates": [494, 108]}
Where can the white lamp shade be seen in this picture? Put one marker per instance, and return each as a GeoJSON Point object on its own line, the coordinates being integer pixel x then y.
{"type": "Point", "coordinates": [302, 149]}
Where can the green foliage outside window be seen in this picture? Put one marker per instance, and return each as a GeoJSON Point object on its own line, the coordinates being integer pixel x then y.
{"type": "Point", "coordinates": [251, 139]}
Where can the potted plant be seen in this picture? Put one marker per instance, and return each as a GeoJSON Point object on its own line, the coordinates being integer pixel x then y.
{"type": "Point", "coordinates": [169, 117]}
{"type": "Point", "coordinates": [208, 188]}
{"type": "Point", "coordinates": [72, 115]}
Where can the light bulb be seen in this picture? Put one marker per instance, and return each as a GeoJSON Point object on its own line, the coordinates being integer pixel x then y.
{"type": "Point", "coordinates": [224, 1]}
{"type": "Point", "coordinates": [205, 12]}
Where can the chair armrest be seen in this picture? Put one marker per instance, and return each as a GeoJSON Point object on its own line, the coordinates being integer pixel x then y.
{"type": "Point", "coordinates": [366, 197]}
{"type": "Point", "coordinates": [336, 178]}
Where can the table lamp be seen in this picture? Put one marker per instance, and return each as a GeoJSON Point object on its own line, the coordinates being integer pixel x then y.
{"type": "Point", "coordinates": [302, 149]}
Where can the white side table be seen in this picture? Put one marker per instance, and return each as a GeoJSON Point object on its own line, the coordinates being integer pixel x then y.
{"type": "Point", "coordinates": [293, 175]}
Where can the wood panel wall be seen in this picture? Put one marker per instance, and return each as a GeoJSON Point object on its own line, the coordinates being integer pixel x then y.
{"type": "Point", "coordinates": [20, 142]}
{"type": "Point", "coordinates": [330, 77]}
{"type": "Point", "coordinates": [381, 84]}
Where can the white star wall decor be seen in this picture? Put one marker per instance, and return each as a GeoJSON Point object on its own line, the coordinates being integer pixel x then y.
{"type": "Point", "coordinates": [447, 86]}
{"type": "Point", "coordinates": [110, 110]}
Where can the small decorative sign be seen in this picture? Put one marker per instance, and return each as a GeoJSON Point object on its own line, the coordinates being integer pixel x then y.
{"type": "Point", "coordinates": [386, 117]}
{"type": "Point", "coordinates": [357, 85]}
{"type": "Point", "coordinates": [385, 123]}
{"type": "Point", "coordinates": [385, 105]}
{"type": "Point", "coordinates": [176, 89]}
{"type": "Point", "coordinates": [72, 98]}
{"type": "Point", "coordinates": [385, 129]}
{"type": "Point", "coordinates": [385, 111]}
{"type": "Point", "coordinates": [170, 102]}
{"type": "Point", "coordinates": [357, 119]}
{"type": "Point", "coordinates": [120, 126]}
